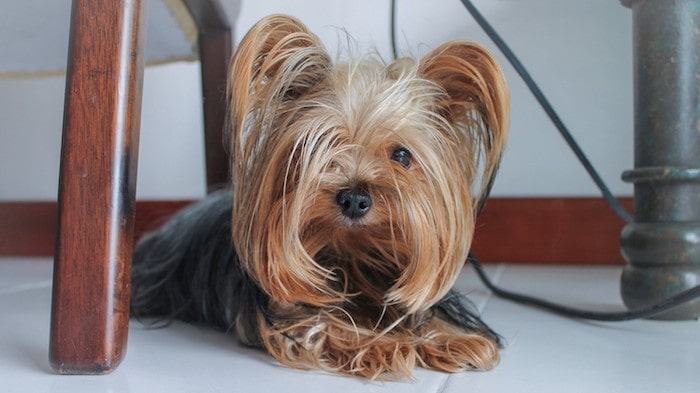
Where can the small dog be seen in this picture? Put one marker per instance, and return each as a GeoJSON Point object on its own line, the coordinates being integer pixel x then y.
{"type": "Point", "coordinates": [355, 189]}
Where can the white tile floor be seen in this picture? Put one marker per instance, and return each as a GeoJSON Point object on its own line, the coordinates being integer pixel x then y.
{"type": "Point", "coordinates": [544, 353]}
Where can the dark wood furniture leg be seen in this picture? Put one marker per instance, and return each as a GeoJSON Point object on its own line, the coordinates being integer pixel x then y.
{"type": "Point", "coordinates": [90, 305]}
{"type": "Point", "coordinates": [215, 47]}
{"type": "Point", "coordinates": [662, 245]}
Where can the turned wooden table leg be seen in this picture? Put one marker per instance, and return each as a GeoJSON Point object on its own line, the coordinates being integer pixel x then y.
{"type": "Point", "coordinates": [662, 245]}
{"type": "Point", "coordinates": [91, 292]}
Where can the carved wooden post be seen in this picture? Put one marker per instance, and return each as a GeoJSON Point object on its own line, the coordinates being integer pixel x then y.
{"type": "Point", "coordinates": [662, 246]}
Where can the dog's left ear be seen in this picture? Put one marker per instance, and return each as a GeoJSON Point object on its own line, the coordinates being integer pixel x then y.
{"type": "Point", "coordinates": [476, 102]}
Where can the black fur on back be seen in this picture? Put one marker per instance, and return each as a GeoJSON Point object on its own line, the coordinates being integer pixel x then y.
{"type": "Point", "coordinates": [188, 270]}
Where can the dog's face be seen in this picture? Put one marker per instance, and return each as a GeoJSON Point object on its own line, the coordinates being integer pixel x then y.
{"type": "Point", "coordinates": [359, 182]}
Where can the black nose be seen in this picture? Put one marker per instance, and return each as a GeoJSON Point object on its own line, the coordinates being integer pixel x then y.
{"type": "Point", "coordinates": [354, 203]}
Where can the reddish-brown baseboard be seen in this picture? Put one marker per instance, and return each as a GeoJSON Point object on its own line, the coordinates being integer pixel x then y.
{"type": "Point", "coordinates": [550, 230]}
{"type": "Point", "coordinates": [29, 228]}
{"type": "Point", "coordinates": [527, 230]}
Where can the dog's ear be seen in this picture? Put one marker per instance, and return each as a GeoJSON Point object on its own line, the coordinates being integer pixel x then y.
{"type": "Point", "coordinates": [476, 102]}
{"type": "Point", "coordinates": [278, 61]}
{"type": "Point", "coordinates": [278, 65]}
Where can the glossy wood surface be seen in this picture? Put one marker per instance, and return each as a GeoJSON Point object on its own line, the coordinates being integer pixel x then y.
{"type": "Point", "coordinates": [215, 49]}
{"type": "Point", "coordinates": [97, 184]}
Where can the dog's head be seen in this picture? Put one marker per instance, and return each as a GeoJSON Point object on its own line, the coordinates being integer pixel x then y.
{"type": "Point", "coordinates": [359, 180]}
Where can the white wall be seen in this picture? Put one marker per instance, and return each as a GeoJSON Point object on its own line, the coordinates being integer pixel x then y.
{"type": "Point", "coordinates": [578, 51]}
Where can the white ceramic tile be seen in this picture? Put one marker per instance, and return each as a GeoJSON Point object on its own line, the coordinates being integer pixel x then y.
{"type": "Point", "coordinates": [545, 353]}
{"type": "Point", "coordinates": [180, 358]}
{"type": "Point", "coordinates": [549, 353]}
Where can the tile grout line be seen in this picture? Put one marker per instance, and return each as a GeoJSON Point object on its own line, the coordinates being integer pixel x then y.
{"type": "Point", "coordinates": [495, 279]}
{"type": "Point", "coordinates": [442, 388]}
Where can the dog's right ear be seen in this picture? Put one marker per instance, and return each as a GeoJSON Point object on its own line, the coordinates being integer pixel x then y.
{"type": "Point", "coordinates": [278, 61]}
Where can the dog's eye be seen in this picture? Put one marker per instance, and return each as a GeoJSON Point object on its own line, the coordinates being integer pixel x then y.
{"type": "Point", "coordinates": [402, 156]}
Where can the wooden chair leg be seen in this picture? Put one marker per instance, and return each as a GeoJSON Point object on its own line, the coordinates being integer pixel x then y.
{"type": "Point", "coordinates": [90, 305]}
{"type": "Point", "coordinates": [215, 47]}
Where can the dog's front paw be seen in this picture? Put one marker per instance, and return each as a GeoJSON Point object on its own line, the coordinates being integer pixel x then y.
{"type": "Point", "coordinates": [445, 348]}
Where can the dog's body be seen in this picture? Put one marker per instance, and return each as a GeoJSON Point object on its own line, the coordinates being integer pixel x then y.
{"type": "Point", "coordinates": [352, 211]}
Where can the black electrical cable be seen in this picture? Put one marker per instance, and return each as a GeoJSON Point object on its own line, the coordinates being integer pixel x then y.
{"type": "Point", "coordinates": [644, 312]}
{"type": "Point", "coordinates": [554, 117]}
{"type": "Point", "coordinates": [392, 27]}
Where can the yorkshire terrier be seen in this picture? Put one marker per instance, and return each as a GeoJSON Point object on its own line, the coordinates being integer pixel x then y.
{"type": "Point", "coordinates": [355, 188]}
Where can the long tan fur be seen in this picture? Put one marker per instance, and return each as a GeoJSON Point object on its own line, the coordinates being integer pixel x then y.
{"type": "Point", "coordinates": [357, 292]}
